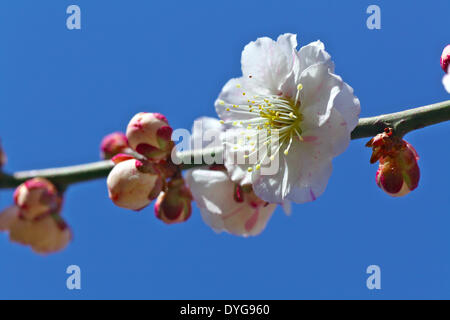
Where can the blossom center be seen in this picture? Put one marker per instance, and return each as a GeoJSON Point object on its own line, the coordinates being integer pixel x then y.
{"type": "Point", "coordinates": [274, 125]}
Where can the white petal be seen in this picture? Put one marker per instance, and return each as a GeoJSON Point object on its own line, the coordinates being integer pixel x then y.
{"type": "Point", "coordinates": [268, 63]}
{"type": "Point", "coordinates": [320, 87]}
{"type": "Point", "coordinates": [446, 82]}
{"type": "Point", "coordinates": [348, 106]}
{"type": "Point", "coordinates": [210, 189]}
{"type": "Point", "coordinates": [314, 53]}
{"type": "Point", "coordinates": [302, 177]}
{"type": "Point", "coordinates": [331, 139]}
{"type": "Point", "coordinates": [214, 193]}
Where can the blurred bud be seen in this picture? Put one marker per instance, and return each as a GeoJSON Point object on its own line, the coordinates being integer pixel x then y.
{"type": "Point", "coordinates": [398, 173]}
{"type": "Point", "coordinates": [8, 217]}
{"type": "Point", "coordinates": [174, 205]}
{"type": "Point", "coordinates": [46, 235]}
{"type": "Point", "coordinates": [150, 135]}
{"type": "Point", "coordinates": [3, 158]}
{"type": "Point", "coordinates": [445, 58]}
{"type": "Point", "coordinates": [113, 144]}
{"type": "Point", "coordinates": [133, 184]}
{"type": "Point", "coordinates": [37, 197]}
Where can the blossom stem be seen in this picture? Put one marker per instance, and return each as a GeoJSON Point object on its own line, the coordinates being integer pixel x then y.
{"type": "Point", "coordinates": [401, 122]}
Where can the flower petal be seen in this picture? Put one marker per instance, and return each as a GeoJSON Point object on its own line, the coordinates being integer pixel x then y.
{"type": "Point", "coordinates": [268, 63]}
{"type": "Point", "coordinates": [348, 106]}
{"type": "Point", "coordinates": [314, 53]}
{"type": "Point", "coordinates": [320, 87]}
{"type": "Point", "coordinates": [214, 193]}
{"type": "Point", "coordinates": [331, 139]}
{"type": "Point", "coordinates": [446, 82]}
{"type": "Point", "coordinates": [302, 176]}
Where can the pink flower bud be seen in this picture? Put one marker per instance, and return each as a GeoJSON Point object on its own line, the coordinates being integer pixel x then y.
{"type": "Point", "coordinates": [398, 173]}
{"type": "Point", "coordinates": [37, 197]}
{"type": "Point", "coordinates": [150, 135]}
{"type": "Point", "coordinates": [3, 158]}
{"type": "Point", "coordinates": [113, 144]}
{"type": "Point", "coordinates": [445, 58]}
{"type": "Point", "coordinates": [174, 205]}
{"type": "Point", "coordinates": [133, 184]}
{"type": "Point", "coordinates": [46, 234]}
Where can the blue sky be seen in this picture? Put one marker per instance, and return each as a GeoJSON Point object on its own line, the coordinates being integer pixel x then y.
{"type": "Point", "coordinates": [61, 91]}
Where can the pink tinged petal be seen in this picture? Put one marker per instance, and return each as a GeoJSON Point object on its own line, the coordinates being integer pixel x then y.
{"type": "Point", "coordinates": [348, 106]}
{"type": "Point", "coordinates": [251, 223]}
{"type": "Point", "coordinates": [313, 196]}
{"type": "Point", "coordinates": [214, 193]}
{"type": "Point", "coordinates": [320, 88]}
{"type": "Point", "coordinates": [329, 140]}
{"type": "Point", "coordinates": [314, 53]}
{"type": "Point", "coordinates": [268, 63]}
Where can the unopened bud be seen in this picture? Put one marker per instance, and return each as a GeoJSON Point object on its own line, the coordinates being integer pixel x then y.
{"type": "Point", "coordinates": [398, 173]}
{"type": "Point", "coordinates": [445, 59]}
{"type": "Point", "coordinates": [150, 135]}
{"type": "Point", "coordinates": [37, 197]}
{"type": "Point", "coordinates": [113, 144]}
{"type": "Point", "coordinates": [133, 184]}
{"type": "Point", "coordinates": [174, 205]}
{"type": "Point", "coordinates": [45, 235]}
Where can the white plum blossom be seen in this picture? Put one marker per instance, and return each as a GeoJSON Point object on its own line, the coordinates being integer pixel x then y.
{"type": "Point", "coordinates": [290, 108]}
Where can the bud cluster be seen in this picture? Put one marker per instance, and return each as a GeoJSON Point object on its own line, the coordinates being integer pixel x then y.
{"type": "Point", "coordinates": [147, 173]}
{"type": "Point", "coordinates": [35, 219]}
{"type": "Point", "coordinates": [398, 172]}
